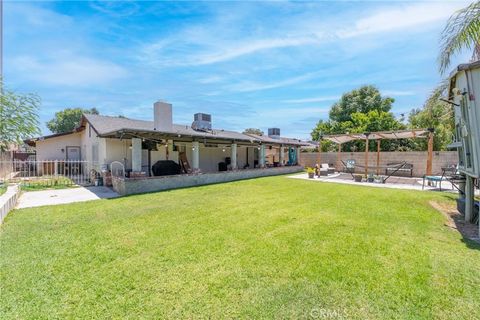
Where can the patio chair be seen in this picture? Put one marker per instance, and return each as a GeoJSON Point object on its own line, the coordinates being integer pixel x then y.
{"type": "Point", "coordinates": [349, 165]}
{"type": "Point", "coordinates": [450, 174]}
{"type": "Point", "coordinates": [320, 171]}
{"type": "Point", "coordinates": [329, 169]}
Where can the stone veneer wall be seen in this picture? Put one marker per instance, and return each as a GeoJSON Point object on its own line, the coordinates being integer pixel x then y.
{"type": "Point", "coordinates": [417, 158]}
{"type": "Point", "coordinates": [141, 185]}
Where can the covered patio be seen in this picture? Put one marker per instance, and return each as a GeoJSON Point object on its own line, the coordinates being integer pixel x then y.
{"type": "Point", "coordinates": [205, 152]}
{"type": "Point", "coordinates": [375, 167]}
{"type": "Point", "coordinates": [204, 157]}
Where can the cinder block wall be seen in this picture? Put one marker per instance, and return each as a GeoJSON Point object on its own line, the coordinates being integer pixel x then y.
{"type": "Point", "coordinates": [417, 158]}
{"type": "Point", "coordinates": [151, 184]}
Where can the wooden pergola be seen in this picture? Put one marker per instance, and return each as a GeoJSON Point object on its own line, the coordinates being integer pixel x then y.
{"type": "Point", "coordinates": [379, 136]}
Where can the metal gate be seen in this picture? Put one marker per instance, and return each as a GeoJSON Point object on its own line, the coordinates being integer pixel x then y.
{"type": "Point", "coordinates": [48, 173]}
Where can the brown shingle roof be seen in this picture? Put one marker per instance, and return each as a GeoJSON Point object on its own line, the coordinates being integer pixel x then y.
{"type": "Point", "coordinates": [106, 125]}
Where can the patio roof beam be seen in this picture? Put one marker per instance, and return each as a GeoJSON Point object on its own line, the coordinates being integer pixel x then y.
{"type": "Point", "coordinates": [387, 135]}
{"type": "Point", "coordinates": [186, 139]}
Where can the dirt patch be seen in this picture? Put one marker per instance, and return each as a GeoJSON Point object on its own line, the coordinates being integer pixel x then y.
{"type": "Point", "coordinates": [456, 220]}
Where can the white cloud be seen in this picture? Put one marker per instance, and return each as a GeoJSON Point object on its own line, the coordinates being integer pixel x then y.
{"type": "Point", "coordinates": [116, 8]}
{"type": "Point", "coordinates": [288, 113]}
{"type": "Point", "coordinates": [210, 79]}
{"type": "Point", "coordinates": [30, 17]}
{"type": "Point", "coordinates": [313, 99]}
{"type": "Point", "coordinates": [206, 52]}
{"type": "Point", "coordinates": [249, 47]}
{"type": "Point", "coordinates": [412, 15]}
{"type": "Point", "coordinates": [248, 86]}
{"type": "Point", "coordinates": [197, 45]}
{"type": "Point", "coordinates": [397, 93]}
{"type": "Point", "coordinates": [67, 70]}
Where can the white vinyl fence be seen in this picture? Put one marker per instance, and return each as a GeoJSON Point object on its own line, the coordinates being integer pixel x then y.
{"type": "Point", "coordinates": [48, 172]}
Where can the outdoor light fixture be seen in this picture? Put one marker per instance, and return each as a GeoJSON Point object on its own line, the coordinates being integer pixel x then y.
{"type": "Point", "coordinates": [223, 149]}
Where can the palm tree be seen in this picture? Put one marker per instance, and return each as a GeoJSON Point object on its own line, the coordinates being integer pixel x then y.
{"type": "Point", "coordinates": [461, 32]}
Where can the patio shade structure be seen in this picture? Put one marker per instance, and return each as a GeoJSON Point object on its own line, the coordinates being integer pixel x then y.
{"type": "Point", "coordinates": [382, 135]}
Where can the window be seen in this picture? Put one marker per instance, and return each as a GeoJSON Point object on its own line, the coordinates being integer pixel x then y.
{"type": "Point", "coordinates": [95, 152]}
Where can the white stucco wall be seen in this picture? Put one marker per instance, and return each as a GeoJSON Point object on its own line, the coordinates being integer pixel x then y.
{"type": "Point", "coordinates": [119, 150]}
{"type": "Point", "coordinates": [51, 148]}
{"type": "Point", "coordinates": [93, 147]}
{"type": "Point", "coordinates": [210, 157]}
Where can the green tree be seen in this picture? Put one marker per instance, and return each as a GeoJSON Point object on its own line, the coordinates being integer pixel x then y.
{"type": "Point", "coordinates": [363, 100]}
{"type": "Point", "coordinates": [68, 119]}
{"type": "Point", "coordinates": [19, 117]}
{"type": "Point", "coordinates": [358, 111]}
{"type": "Point", "coordinates": [461, 32]}
{"type": "Point", "coordinates": [255, 131]}
{"type": "Point", "coordinates": [435, 114]}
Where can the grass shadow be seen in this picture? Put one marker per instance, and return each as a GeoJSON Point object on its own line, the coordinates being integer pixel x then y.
{"type": "Point", "coordinates": [456, 220]}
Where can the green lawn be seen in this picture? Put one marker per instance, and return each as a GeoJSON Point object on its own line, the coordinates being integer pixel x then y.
{"type": "Point", "coordinates": [265, 248]}
{"type": "Point", "coordinates": [47, 183]}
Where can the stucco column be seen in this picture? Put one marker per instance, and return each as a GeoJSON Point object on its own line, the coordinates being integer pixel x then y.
{"type": "Point", "coordinates": [136, 154]}
{"type": "Point", "coordinates": [195, 156]}
{"type": "Point", "coordinates": [282, 155]}
{"type": "Point", "coordinates": [233, 156]}
{"type": "Point", "coordinates": [261, 161]}
{"type": "Point", "coordinates": [469, 191]}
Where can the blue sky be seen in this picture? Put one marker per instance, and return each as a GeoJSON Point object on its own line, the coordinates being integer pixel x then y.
{"type": "Point", "coordinates": [250, 64]}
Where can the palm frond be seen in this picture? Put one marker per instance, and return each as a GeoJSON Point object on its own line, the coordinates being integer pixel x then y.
{"type": "Point", "coordinates": [461, 32]}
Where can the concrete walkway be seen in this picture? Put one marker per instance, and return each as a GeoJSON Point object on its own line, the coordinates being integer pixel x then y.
{"type": "Point", "coordinates": [61, 196]}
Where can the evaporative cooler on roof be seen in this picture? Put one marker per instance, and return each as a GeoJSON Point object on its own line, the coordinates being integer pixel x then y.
{"type": "Point", "coordinates": [202, 122]}
{"type": "Point", "coordinates": [274, 132]}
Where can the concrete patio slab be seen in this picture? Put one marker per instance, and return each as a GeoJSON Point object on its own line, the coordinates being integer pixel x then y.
{"type": "Point", "coordinates": [62, 196]}
{"type": "Point", "coordinates": [397, 183]}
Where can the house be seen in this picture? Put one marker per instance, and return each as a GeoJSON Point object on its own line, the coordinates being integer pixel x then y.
{"type": "Point", "coordinates": [137, 145]}
{"type": "Point", "coordinates": [464, 95]}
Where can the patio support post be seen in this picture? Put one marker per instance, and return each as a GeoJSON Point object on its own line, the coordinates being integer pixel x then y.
{"type": "Point", "coordinates": [169, 149]}
{"type": "Point", "coordinates": [469, 194]}
{"type": "Point", "coordinates": [378, 157]}
{"type": "Point", "coordinates": [430, 152]}
{"type": "Point", "coordinates": [195, 156]}
{"type": "Point", "coordinates": [297, 153]}
{"type": "Point", "coordinates": [282, 155]}
{"type": "Point", "coordinates": [319, 158]}
{"type": "Point", "coordinates": [234, 156]}
{"type": "Point", "coordinates": [366, 154]}
{"type": "Point", "coordinates": [136, 154]}
{"type": "Point", "coordinates": [339, 152]}
{"type": "Point", "coordinates": [262, 156]}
